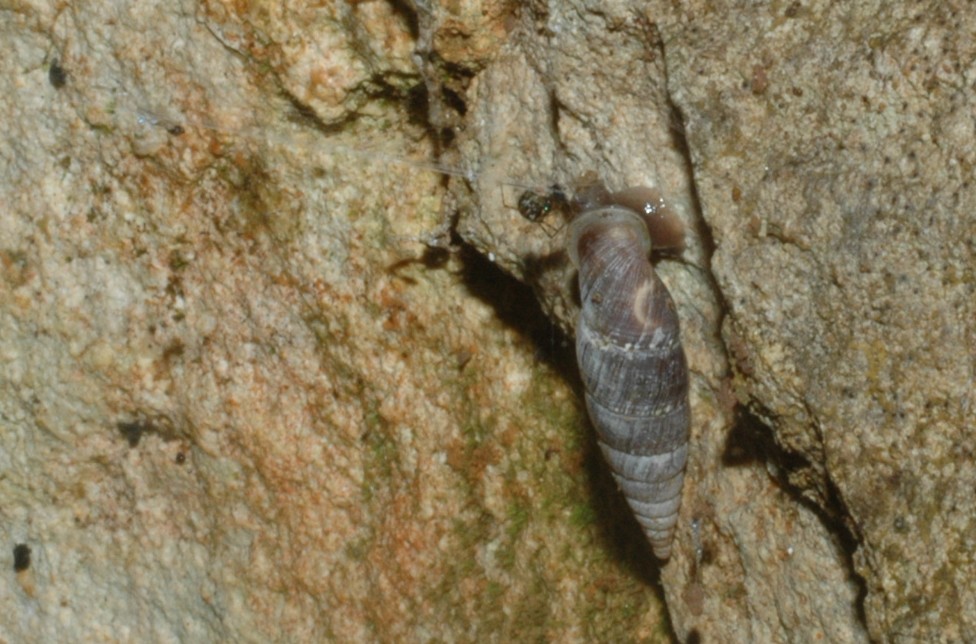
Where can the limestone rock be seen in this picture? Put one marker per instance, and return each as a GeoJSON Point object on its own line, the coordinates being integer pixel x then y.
{"type": "Point", "coordinates": [242, 399]}
{"type": "Point", "coordinates": [580, 91]}
{"type": "Point", "coordinates": [254, 386]}
{"type": "Point", "coordinates": [824, 154]}
{"type": "Point", "coordinates": [832, 149]}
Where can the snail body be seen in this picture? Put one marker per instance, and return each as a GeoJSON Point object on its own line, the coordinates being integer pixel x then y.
{"type": "Point", "coordinates": [629, 353]}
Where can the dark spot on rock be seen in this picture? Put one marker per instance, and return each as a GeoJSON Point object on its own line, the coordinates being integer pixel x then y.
{"type": "Point", "coordinates": [56, 74]}
{"type": "Point", "coordinates": [133, 431]}
{"type": "Point", "coordinates": [22, 554]}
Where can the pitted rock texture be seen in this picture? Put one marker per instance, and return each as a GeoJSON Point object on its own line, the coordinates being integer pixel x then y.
{"type": "Point", "coordinates": [824, 153]}
{"type": "Point", "coordinates": [253, 388]}
{"type": "Point", "coordinates": [832, 150]}
{"type": "Point", "coordinates": [241, 400]}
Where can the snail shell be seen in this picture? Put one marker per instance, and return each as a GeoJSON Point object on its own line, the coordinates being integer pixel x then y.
{"type": "Point", "coordinates": [629, 353]}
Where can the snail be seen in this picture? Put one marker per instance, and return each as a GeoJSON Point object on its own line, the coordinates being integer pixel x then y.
{"type": "Point", "coordinates": [629, 351]}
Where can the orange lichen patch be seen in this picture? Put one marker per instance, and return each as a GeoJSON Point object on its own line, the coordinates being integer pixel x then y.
{"type": "Point", "coordinates": [509, 435]}
{"type": "Point", "coordinates": [387, 27]}
{"type": "Point", "coordinates": [14, 268]}
{"type": "Point", "coordinates": [396, 309]}
{"type": "Point", "coordinates": [694, 598]}
{"type": "Point", "coordinates": [27, 583]}
{"type": "Point", "coordinates": [727, 398]}
{"type": "Point", "coordinates": [471, 33]}
{"type": "Point", "coordinates": [331, 82]}
{"type": "Point", "coordinates": [472, 460]}
{"type": "Point", "coordinates": [759, 82]}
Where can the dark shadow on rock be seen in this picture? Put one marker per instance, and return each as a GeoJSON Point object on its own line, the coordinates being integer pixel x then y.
{"type": "Point", "coordinates": [618, 530]}
{"type": "Point", "coordinates": [517, 306]}
{"type": "Point", "coordinates": [752, 442]}
{"type": "Point", "coordinates": [748, 442]}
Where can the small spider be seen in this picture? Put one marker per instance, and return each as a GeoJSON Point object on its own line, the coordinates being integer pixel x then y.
{"type": "Point", "coordinates": [535, 205]}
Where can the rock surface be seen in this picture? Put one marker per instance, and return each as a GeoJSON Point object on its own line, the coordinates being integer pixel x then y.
{"type": "Point", "coordinates": [253, 388]}
{"type": "Point", "coordinates": [832, 149]}
{"type": "Point", "coordinates": [241, 399]}
{"type": "Point", "coordinates": [829, 170]}
{"type": "Point", "coordinates": [590, 92]}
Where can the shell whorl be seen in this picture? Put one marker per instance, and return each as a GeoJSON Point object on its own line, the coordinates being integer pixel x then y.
{"type": "Point", "coordinates": [632, 364]}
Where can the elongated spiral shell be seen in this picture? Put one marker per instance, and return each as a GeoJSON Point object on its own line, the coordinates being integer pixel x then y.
{"type": "Point", "coordinates": [631, 361]}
